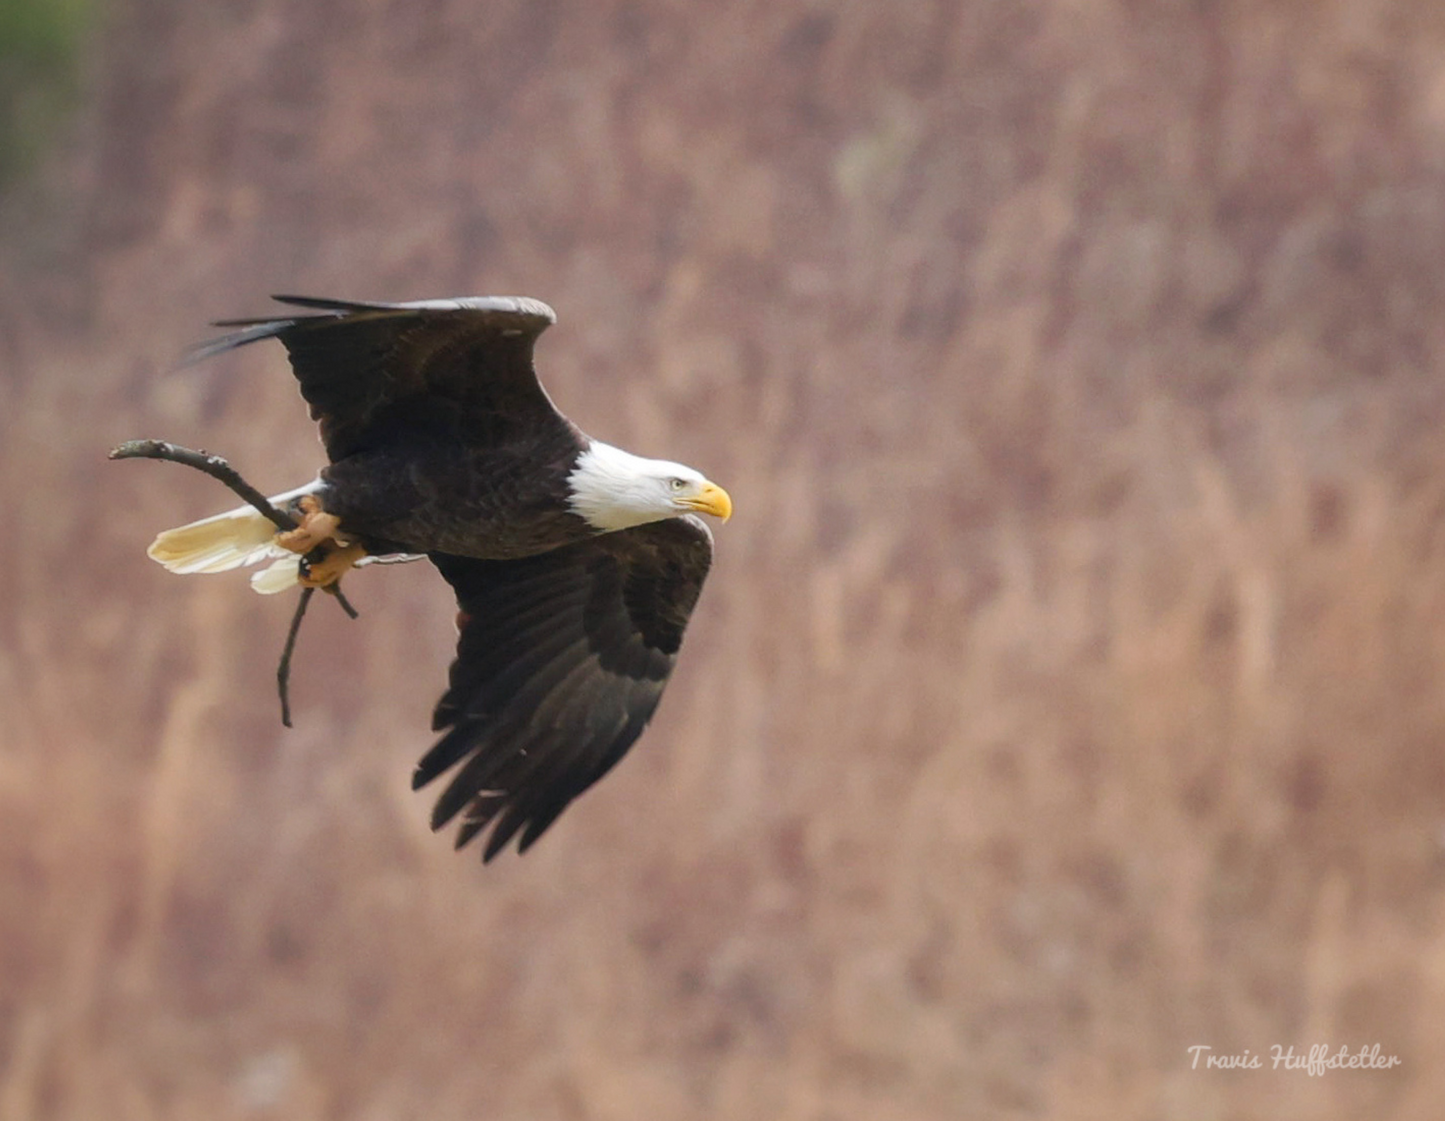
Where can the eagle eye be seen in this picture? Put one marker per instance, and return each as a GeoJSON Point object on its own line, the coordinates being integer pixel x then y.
{"type": "Point", "coordinates": [675, 484]}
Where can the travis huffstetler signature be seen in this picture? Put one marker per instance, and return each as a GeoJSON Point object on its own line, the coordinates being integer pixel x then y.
{"type": "Point", "coordinates": [1313, 1062]}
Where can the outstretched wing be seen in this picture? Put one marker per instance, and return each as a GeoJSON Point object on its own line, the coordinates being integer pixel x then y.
{"type": "Point", "coordinates": [561, 662]}
{"type": "Point", "coordinates": [358, 361]}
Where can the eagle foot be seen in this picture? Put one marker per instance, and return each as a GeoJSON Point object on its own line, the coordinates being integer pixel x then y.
{"type": "Point", "coordinates": [317, 527]}
{"type": "Point", "coordinates": [334, 564]}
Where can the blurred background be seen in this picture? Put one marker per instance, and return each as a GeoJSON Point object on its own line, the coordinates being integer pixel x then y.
{"type": "Point", "coordinates": [1068, 690]}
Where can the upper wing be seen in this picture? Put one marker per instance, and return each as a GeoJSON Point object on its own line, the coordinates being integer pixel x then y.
{"type": "Point", "coordinates": [356, 360]}
{"type": "Point", "coordinates": [561, 661]}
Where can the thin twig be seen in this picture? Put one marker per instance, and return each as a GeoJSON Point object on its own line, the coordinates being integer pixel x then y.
{"type": "Point", "coordinates": [334, 590]}
{"type": "Point", "coordinates": [283, 670]}
{"type": "Point", "coordinates": [219, 469]}
{"type": "Point", "coordinates": [212, 465]}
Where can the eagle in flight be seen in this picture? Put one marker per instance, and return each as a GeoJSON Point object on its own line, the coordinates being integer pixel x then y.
{"type": "Point", "coordinates": [575, 564]}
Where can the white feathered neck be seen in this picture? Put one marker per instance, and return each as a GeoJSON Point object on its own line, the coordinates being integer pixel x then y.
{"type": "Point", "coordinates": [612, 489]}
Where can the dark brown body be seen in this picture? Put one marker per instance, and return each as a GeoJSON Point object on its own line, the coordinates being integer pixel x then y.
{"type": "Point", "coordinates": [437, 484]}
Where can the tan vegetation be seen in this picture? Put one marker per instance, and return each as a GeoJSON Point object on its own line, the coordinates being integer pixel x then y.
{"type": "Point", "coordinates": [1069, 688]}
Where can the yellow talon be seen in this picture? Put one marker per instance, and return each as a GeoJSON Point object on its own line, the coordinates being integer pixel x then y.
{"type": "Point", "coordinates": [331, 567]}
{"type": "Point", "coordinates": [316, 528]}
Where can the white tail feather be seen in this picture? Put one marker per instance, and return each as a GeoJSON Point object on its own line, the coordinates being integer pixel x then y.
{"type": "Point", "coordinates": [280, 575]}
{"type": "Point", "coordinates": [226, 541]}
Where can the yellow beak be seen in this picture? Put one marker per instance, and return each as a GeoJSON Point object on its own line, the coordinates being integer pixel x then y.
{"type": "Point", "coordinates": [712, 499]}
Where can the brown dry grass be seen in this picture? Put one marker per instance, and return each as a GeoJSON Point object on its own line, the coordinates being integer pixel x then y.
{"type": "Point", "coordinates": [1069, 688]}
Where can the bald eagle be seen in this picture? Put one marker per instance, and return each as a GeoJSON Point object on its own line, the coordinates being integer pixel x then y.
{"type": "Point", "coordinates": [575, 564]}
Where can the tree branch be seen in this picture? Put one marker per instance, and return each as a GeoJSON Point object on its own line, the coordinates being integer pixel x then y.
{"type": "Point", "coordinates": [219, 469]}
{"type": "Point", "coordinates": [283, 669]}
{"type": "Point", "coordinates": [212, 465]}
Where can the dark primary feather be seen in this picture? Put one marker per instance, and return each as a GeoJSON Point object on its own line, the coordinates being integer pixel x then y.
{"type": "Point", "coordinates": [561, 661]}
{"type": "Point", "coordinates": [359, 363]}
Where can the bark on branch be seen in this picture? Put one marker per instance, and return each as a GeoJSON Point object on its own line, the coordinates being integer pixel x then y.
{"type": "Point", "coordinates": [212, 465]}
{"type": "Point", "coordinates": [219, 469]}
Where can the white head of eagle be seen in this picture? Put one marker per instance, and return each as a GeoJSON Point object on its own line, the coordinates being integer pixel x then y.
{"type": "Point", "coordinates": [612, 489]}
